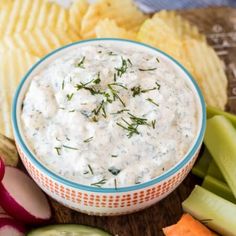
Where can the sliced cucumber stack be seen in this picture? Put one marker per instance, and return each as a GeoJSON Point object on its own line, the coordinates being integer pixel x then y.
{"type": "Point", "coordinates": [68, 230]}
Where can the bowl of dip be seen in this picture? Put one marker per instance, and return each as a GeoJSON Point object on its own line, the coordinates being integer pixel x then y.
{"type": "Point", "coordinates": [108, 126]}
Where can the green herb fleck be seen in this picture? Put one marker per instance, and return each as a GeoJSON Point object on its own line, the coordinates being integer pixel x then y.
{"type": "Point", "coordinates": [129, 61]}
{"type": "Point", "coordinates": [99, 51]}
{"type": "Point", "coordinates": [132, 127]}
{"type": "Point", "coordinates": [72, 148]}
{"type": "Point", "coordinates": [81, 63]}
{"type": "Point", "coordinates": [88, 140]}
{"type": "Point", "coordinates": [58, 149]}
{"type": "Point", "coordinates": [153, 124]}
{"type": "Point", "coordinates": [99, 183]}
{"type": "Point", "coordinates": [115, 77]}
{"type": "Point", "coordinates": [112, 54]}
{"type": "Point", "coordinates": [98, 79]}
{"type": "Point", "coordinates": [69, 96]}
{"type": "Point", "coordinates": [151, 101]}
{"type": "Point", "coordinates": [72, 110]}
{"type": "Point", "coordinates": [123, 68]}
{"type": "Point", "coordinates": [149, 69]}
{"type": "Point", "coordinates": [63, 84]}
{"type": "Point", "coordinates": [62, 108]}
{"type": "Point", "coordinates": [115, 94]}
{"type": "Point", "coordinates": [90, 168]}
{"type": "Point", "coordinates": [157, 60]}
{"type": "Point", "coordinates": [115, 183]}
{"type": "Point", "coordinates": [120, 111]}
{"type": "Point", "coordinates": [158, 85]}
{"type": "Point", "coordinates": [137, 90]}
{"type": "Point", "coordinates": [114, 155]}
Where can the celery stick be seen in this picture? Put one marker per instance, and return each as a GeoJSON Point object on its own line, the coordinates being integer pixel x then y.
{"type": "Point", "coordinates": [220, 139]}
{"type": "Point", "coordinates": [202, 164]}
{"type": "Point", "coordinates": [218, 187]}
{"type": "Point", "coordinates": [212, 111]}
{"type": "Point", "coordinates": [214, 171]}
{"type": "Point", "coordinates": [216, 212]}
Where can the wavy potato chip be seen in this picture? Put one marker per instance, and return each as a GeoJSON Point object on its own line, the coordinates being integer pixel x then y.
{"type": "Point", "coordinates": [208, 72]}
{"type": "Point", "coordinates": [183, 28]}
{"type": "Point", "coordinates": [38, 42]}
{"type": "Point", "coordinates": [109, 29]}
{"type": "Point", "coordinates": [76, 13]}
{"type": "Point", "coordinates": [22, 15]}
{"type": "Point", "coordinates": [14, 64]}
{"type": "Point", "coordinates": [124, 13]}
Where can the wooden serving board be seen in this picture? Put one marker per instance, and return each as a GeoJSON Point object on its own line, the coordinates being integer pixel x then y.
{"type": "Point", "coordinates": [219, 24]}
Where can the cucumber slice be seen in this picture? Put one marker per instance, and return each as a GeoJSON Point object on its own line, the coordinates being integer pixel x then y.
{"type": "Point", "coordinates": [68, 229]}
{"type": "Point", "coordinates": [220, 139]}
{"type": "Point", "coordinates": [212, 111]}
{"type": "Point", "coordinates": [214, 171]}
{"type": "Point", "coordinates": [219, 188]}
{"type": "Point", "coordinates": [202, 164]}
{"type": "Point", "coordinates": [216, 212]}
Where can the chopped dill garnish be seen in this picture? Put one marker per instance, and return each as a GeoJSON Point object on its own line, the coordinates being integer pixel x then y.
{"type": "Point", "coordinates": [98, 79]}
{"type": "Point", "coordinates": [153, 122]}
{"type": "Point", "coordinates": [115, 183]}
{"type": "Point", "coordinates": [118, 84]}
{"type": "Point", "coordinates": [112, 54]}
{"type": "Point", "coordinates": [99, 51]}
{"type": "Point", "coordinates": [68, 147]}
{"type": "Point", "coordinates": [72, 110]}
{"type": "Point", "coordinates": [67, 138]}
{"type": "Point", "coordinates": [63, 84]}
{"type": "Point", "coordinates": [81, 63]}
{"type": "Point", "coordinates": [151, 101]}
{"type": "Point", "coordinates": [115, 94]}
{"type": "Point", "coordinates": [114, 77]}
{"type": "Point", "coordinates": [123, 68]}
{"type": "Point", "coordinates": [158, 85]}
{"type": "Point", "coordinates": [157, 60]}
{"type": "Point", "coordinates": [132, 127]}
{"type": "Point", "coordinates": [90, 168]}
{"type": "Point", "coordinates": [98, 109]}
{"type": "Point", "coordinates": [58, 150]}
{"type": "Point", "coordinates": [69, 96]}
{"type": "Point", "coordinates": [137, 90]}
{"type": "Point", "coordinates": [149, 69]}
{"type": "Point", "coordinates": [62, 108]}
{"type": "Point", "coordinates": [129, 61]}
{"type": "Point", "coordinates": [120, 111]}
{"type": "Point", "coordinates": [99, 183]}
{"type": "Point", "coordinates": [88, 140]}
{"type": "Point", "coordinates": [114, 155]}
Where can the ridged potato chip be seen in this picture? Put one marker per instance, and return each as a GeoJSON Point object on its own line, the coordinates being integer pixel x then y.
{"type": "Point", "coordinates": [23, 15]}
{"type": "Point", "coordinates": [14, 64]}
{"type": "Point", "coordinates": [124, 12]}
{"type": "Point", "coordinates": [208, 72]}
{"type": "Point", "coordinates": [182, 27]}
{"type": "Point", "coordinates": [109, 29]}
{"type": "Point", "coordinates": [76, 13]}
{"type": "Point", "coordinates": [190, 49]}
{"type": "Point", "coordinates": [38, 42]}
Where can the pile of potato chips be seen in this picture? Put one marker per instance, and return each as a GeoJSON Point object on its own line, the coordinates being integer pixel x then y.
{"type": "Point", "coordinates": [29, 29]}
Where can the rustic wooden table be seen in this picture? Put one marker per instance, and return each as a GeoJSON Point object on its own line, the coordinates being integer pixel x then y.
{"type": "Point", "coordinates": [219, 24]}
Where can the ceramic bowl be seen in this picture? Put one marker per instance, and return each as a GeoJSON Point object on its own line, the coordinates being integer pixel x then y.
{"type": "Point", "coordinates": [105, 201]}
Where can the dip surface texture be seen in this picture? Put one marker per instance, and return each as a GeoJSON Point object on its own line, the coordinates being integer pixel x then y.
{"type": "Point", "coordinates": [109, 116]}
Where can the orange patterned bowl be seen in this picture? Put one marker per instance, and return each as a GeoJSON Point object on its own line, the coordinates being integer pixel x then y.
{"type": "Point", "coordinates": [105, 201]}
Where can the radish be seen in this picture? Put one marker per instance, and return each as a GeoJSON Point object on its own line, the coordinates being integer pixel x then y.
{"type": "Point", "coordinates": [22, 198]}
{"type": "Point", "coordinates": [3, 214]}
{"type": "Point", "coordinates": [2, 169]}
{"type": "Point", "coordinates": [10, 227]}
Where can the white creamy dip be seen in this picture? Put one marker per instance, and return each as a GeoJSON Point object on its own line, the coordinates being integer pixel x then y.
{"type": "Point", "coordinates": [109, 116]}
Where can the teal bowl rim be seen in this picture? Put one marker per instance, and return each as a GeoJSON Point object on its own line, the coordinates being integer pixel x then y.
{"type": "Point", "coordinates": [75, 185]}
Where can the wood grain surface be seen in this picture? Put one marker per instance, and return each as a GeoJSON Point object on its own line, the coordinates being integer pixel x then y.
{"type": "Point", "coordinates": [219, 24]}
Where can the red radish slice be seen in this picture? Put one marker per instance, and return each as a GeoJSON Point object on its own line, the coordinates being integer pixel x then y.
{"type": "Point", "coordinates": [2, 169]}
{"type": "Point", "coordinates": [22, 198]}
{"type": "Point", "coordinates": [3, 214]}
{"type": "Point", "coordinates": [10, 227]}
